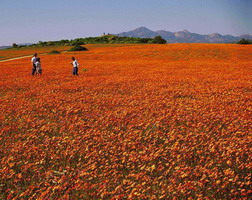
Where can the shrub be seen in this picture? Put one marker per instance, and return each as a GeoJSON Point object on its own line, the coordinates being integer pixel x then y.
{"type": "Point", "coordinates": [145, 40]}
{"type": "Point", "coordinates": [14, 45]}
{"type": "Point", "coordinates": [243, 41]}
{"type": "Point", "coordinates": [63, 42]}
{"type": "Point", "coordinates": [78, 48]}
{"type": "Point", "coordinates": [159, 40]}
{"type": "Point", "coordinates": [54, 52]}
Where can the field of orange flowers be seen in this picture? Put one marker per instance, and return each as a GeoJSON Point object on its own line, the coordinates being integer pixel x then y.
{"type": "Point", "coordinates": [139, 122]}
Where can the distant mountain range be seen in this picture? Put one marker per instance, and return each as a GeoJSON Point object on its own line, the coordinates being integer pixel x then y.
{"type": "Point", "coordinates": [5, 47]}
{"type": "Point", "coordinates": [183, 36]}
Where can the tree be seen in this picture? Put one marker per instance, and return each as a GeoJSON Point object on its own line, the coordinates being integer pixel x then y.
{"type": "Point", "coordinates": [243, 41]}
{"type": "Point", "coordinates": [14, 45]}
{"type": "Point", "coordinates": [145, 40]}
{"type": "Point", "coordinates": [159, 40]}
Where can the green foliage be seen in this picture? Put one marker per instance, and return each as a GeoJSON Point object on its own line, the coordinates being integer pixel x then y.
{"type": "Point", "coordinates": [78, 41]}
{"type": "Point", "coordinates": [159, 40]}
{"type": "Point", "coordinates": [40, 43]}
{"type": "Point", "coordinates": [146, 40]}
{"type": "Point", "coordinates": [105, 39]}
{"type": "Point", "coordinates": [63, 42]}
{"type": "Point", "coordinates": [14, 45]}
{"type": "Point", "coordinates": [54, 52]}
{"type": "Point", "coordinates": [53, 43]}
{"type": "Point", "coordinates": [78, 48]}
{"type": "Point", "coordinates": [243, 41]}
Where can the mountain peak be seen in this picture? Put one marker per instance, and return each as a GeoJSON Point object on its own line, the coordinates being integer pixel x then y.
{"type": "Point", "coordinates": [214, 35]}
{"type": "Point", "coordinates": [185, 31]}
{"type": "Point", "coordinates": [142, 28]}
{"type": "Point", "coordinates": [141, 32]}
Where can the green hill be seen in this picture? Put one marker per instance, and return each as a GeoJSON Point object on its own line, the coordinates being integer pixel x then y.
{"type": "Point", "coordinates": [105, 39]}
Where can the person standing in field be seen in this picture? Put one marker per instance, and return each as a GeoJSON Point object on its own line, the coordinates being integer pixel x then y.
{"type": "Point", "coordinates": [75, 66]}
{"type": "Point", "coordinates": [33, 61]}
{"type": "Point", "coordinates": [38, 67]}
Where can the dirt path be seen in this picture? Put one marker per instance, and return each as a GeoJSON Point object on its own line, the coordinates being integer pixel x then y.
{"type": "Point", "coordinates": [10, 59]}
{"type": "Point", "coordinates": [20, 57]}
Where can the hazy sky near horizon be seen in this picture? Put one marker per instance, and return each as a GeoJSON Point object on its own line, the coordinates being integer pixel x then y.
{"type": "Point", "coordinates": [33, 20]}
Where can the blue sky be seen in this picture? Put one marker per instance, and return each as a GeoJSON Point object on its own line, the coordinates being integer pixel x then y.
{"type": "Point", "coordinates": [33, 20]}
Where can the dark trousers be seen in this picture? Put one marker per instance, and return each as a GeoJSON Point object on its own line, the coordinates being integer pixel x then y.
{"type": "Point", "coordinates": [33, 69]}
{"type": "Point", "coordinates": [75, 71]}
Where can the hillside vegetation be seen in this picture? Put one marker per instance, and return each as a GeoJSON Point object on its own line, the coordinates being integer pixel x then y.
{"type": "Point", "coordinates": [105, 39]}
{"type": "Point", "coordinates": [101, 40]}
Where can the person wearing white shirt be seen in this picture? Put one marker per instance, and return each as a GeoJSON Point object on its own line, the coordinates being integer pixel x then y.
{"type": "Point", "coordinates": [38, 67]}
{"type": "Point", "coordinates": [75, 66]}
{"type": "Point", "coordinates": [33, 61]}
